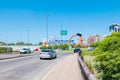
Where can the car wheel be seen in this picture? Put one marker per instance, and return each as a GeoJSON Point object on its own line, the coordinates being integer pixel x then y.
{"type": "Point", "coordinates": [41, 58]}
{"type": "Point", "coordinates": [55, 55]}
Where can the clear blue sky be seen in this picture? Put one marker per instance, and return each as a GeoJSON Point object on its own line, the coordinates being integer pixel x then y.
{"type": "Point", "coordinates": [85, 16]}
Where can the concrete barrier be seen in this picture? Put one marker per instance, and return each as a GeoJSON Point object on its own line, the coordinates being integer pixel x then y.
{"type": "Point", "coordinates": [10, 56]}
{"type": "Point", "coordinates": [86, 72]}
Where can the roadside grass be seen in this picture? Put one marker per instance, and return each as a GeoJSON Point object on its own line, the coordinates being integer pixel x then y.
{"type": "Point", "coordinates": [70, 50]}
{"type": "Point", "coordinates": [88, 53]}
{"type": "Point", "coordinates": [88, 57]}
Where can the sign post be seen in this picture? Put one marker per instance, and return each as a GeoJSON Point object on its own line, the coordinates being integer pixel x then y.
{"type": "Point", "coordinates": [63, 33]}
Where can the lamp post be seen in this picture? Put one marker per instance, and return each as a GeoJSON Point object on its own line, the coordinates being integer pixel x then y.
{"type": "Point", "coordinates": [61, 34]}
{"type": "Point", "coordinates": [20, 41]}
{"type": "Point", "coordinates": [47, 28]}
{"type": "Point", "coordinates": [28, 36]}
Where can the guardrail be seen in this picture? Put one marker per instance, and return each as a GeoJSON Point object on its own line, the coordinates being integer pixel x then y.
{"type": "Point", "coordinates": [86, 73]}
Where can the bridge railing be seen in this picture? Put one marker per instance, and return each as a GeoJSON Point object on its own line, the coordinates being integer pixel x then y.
{"type": "Point", "coordinates": [86, 72]}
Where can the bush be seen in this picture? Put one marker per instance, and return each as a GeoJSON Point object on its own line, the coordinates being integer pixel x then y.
{"type": "Point", "coordinates": [5, 49]}
{"type": "Point", "coordinates": [94, 44]}
{"type": "Point", "coordinates": [64, 46]}
{"type": "Point", "coordinates": [9, 49]}
{"type": "Point", "coordinates": [55, 46]}
{"type": "Point", "coordinates": [49, 47]}
{"type": "Point", "coordinates": [108, 58]}
{"type": "Point", "coordinates": [108, 65]}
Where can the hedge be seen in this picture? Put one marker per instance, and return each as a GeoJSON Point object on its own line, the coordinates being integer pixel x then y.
{"type": "Point", "coordinates": [108, 58]}
{"type": "Point", "coordinates": [5, 49]}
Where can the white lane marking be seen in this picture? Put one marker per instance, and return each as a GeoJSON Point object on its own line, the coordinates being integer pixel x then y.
{"type": "Point", "coordinates": [38, 76]}
{"type": "Point", "coordinates": [51, 70]}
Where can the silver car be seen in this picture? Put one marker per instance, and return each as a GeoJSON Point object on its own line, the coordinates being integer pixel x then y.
{"type": "Point", "coordinates": [25, 51]}
{"type": "Point", "coordinates": [47, 53]}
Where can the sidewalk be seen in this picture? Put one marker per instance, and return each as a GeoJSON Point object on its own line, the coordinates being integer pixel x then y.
{"type": "Point", "coordinates": [67, 69]}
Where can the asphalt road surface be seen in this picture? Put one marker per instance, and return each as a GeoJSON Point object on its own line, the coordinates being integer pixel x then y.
{"type": "Point", "coordinates": [27, 68]}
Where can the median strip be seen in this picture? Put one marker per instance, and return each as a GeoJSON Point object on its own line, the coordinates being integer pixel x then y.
{"type": "Point", "coordinates": [17, 56]}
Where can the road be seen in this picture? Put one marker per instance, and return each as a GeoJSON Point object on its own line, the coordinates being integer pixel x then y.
{"type": "Point", "coordinates": [27, 68]}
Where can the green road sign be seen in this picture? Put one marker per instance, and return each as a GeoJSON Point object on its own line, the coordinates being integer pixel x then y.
{"type": "Point", "coordinates": [63, 32]}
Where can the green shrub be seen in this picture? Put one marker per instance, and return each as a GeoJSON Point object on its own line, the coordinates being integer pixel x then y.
{"type": "Point", "coordinates": [49, 47]}
{"type": "Point", "coordinates": [9, 49]}
{"type": "Point", "coordinates": [55, 46]}
{"type": "Point", "coordinates": [64, 46]}
{"type": "Point", "coordinates": [94, 44]}
{"type": "Point", "coordinates": [89, 66]}
{"type": "Point", "coordinates": [5, 49]}
{"type": "Point", "coordinates": [108, 58]}
{"type": "Point", "coordinates": [108, 65]}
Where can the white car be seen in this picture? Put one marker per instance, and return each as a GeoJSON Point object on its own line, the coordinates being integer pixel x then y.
{"type": "Point", "coordinates": [25, 51]}
{"type": "Point", "coordinates": [47, 53]}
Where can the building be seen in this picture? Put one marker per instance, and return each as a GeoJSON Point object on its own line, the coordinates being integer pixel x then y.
{"type": "Point", "coordinates": [114, 28]}
{"type": "Point", "coordinates": [93, 38]}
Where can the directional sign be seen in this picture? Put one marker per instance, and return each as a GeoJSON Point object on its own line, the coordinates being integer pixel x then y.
{"type": "Point", "coordinates": [63, 32]}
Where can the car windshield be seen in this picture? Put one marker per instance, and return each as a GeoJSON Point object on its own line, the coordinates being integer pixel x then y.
{"type": "Point", "coordinates": [77, 49]}
{"type": "Point", "coordinates": [24, 49]}
{"type": "Point", "coordinates": [45, 50]}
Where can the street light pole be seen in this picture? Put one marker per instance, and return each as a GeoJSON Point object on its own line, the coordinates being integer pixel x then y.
{"type": "Point", "coordinates": [20, 40]}
{"type": "Point", "coordinates": [28, 37]}
{"type": "Point", "coordinates": [47, 27]}
{"type": "Point", "coordinates": [60, 34]}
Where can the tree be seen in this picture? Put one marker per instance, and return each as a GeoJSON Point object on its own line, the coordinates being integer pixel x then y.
{"type": "Point", "coordinates": [95, 44]}
{"type": "Point", "coordinates": [20, 43]}
{"type": "Point", "coordinates": [2, 43]}
{"type": "Point", "coordinates": [11, 44]}
{"type": "Point", "coordinates": [55, 46]}
{"type": "Point", "coordinates": [64, 46]}
{"type": "Point", "coordinates": [28, 44]}
{"type": "Point", "coordinates": [40, 43]}
{"type": "Point", "coordinates": [108, 57]}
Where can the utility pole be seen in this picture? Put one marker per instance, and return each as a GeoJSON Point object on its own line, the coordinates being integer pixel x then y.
{"type": "Point", "coordinates": [20, 39]}
{"type": "Point", "coordinates": [7, 41]}
{"type": "Point", "coordinates": [61, 34]}
{"type": "Point", "coordinates": [47, 28]}
{"type": "Point", "coordinates": [28, 37]}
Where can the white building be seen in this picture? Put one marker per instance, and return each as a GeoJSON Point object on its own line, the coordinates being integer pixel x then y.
{"type": "Point", "coordinates": [114, 28]}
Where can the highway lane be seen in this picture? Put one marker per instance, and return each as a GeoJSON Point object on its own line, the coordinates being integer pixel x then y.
{"type": "Point", "coordinates": [27, 68]}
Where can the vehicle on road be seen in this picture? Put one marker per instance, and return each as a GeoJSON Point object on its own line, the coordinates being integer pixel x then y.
{"type": "Point", "coordinates": [77, 50]}
{"type": "Point", "coordinates": [36, 49]}
{"type": "Point", "coordinates": [25, 51]}
{"type": "Point", "coordinates": [91, 48]}
{"type": "Point", "coordinates": [47, 53]}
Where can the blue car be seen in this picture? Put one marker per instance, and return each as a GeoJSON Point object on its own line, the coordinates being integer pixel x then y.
{"type": "Point", "coordinates": [77, 50]}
